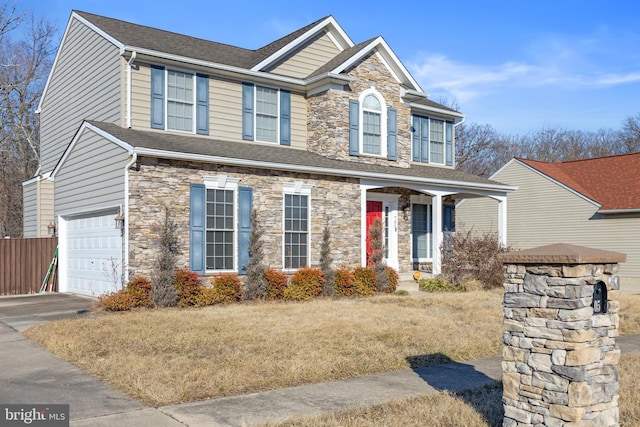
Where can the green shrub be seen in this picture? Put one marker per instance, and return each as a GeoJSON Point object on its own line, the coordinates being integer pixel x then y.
{"type": "Point", "coordinates": [117, 301]}
{"type": "Point", "coordinates": [140, 289]}
{"type": "Point", "coordinates": [344, 283]}
{"type": "Point", "coordinates": [276, 283]}
{"type": "Point", "coordinates": [305, 284]}
{"type": "Point", "coordinates": [365, 281]}
{"type": "Point", "coordinates": [228, 286]}
{"type": "Point", "coordinates": [437, 284]}
{"type": "Point", "coordinates": [188, 284]}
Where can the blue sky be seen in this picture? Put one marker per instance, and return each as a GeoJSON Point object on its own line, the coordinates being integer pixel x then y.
{"type": "Point", "coordinates": [519, 66]}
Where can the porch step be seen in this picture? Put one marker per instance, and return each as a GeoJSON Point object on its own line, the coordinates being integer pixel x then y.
{"type": "Point", "coordinates": [407, 276]}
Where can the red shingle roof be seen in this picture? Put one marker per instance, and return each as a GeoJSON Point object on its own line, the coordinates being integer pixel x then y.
{"type": "Point", "coordinates": [613, 182]}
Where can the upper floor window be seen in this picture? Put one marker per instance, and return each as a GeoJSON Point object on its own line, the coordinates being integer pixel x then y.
{"type": "Point", "coordinates": [266, 114]}
{"type": "Point", "coordinates": [432, 140]}
{"type": "Point", "coordinates": [179, 101]}
{"type": "Point", "coordinates": [372, 126]}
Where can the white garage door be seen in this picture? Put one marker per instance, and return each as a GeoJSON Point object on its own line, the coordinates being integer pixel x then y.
{"type": "Point", "coordinates": [92, 250]}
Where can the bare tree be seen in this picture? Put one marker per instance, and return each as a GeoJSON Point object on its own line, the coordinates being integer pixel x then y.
{"type": "Point", "coordinates": [24, 65]}
{"type": "Point", "coordinates": [630, 134]}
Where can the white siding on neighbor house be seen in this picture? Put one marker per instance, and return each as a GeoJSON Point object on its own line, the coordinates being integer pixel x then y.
{"type": "Point", "coordinates": [542, 212]}
{"type": "Point", "coordinates": [92, 178]}
{"type": "Point", "coordinates": [308, 59]}
{"type": "Point", "coordinates": [30, 209]}
{"type": "Point", "coordinates": [85, 84]}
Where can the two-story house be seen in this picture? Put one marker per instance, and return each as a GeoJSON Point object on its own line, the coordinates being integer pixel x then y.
{"type": "Point", "coordinates": [311, 131]}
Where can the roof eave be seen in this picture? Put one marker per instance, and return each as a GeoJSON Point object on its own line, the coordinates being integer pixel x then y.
{"type": "Point", "coordinates": [423, 107]}
{"type": "Point", "coordinates": [176, 155]}
{"type": "Point", "coordinates": [619, 211]}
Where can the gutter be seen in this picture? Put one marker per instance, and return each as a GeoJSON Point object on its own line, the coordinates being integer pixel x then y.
{"type": "Point", "coordinates": [619, 211]}
{"type": "Point", "coordinates": [315, 170]}
{"type": "Point", "coordinates": [129, 64]}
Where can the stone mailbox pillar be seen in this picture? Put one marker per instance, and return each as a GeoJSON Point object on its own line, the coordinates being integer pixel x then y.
{"type": "Point", "coordinates": [560, 358]}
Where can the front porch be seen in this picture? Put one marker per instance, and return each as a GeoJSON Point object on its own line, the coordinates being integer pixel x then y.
{"type": "Point", "coordinates": [416, 220]}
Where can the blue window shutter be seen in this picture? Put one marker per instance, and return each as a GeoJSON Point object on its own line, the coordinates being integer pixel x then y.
{"type": "Point", "coordinates": [392, 134]}
{"type": "Point", "coordinates": [247, 111]}
{"type": "Point", "coordinates": [197, 241]}
{"type": "Point", "coordinates": [354, 143]}
{"type": "Point", "coordinates": [449, 143]}
{"type": "Point", "coordinates": [415, 138]}
{"type": "Point", "coordinates": [245, 207]}
{"type": "Point", "coordinates": [424, 140]}
{"type": "Point", "coordinates": [157, 97]}
{"type": "Point", "coordinates": [448, 218]}
{"type": "Point", "coordinates": [285, 117]}
{"type": "Point", "coordinates": [202, 104]}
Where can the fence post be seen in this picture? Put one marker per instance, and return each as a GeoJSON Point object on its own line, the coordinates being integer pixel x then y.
{"type": "Point", "coordinates": [561, 319]}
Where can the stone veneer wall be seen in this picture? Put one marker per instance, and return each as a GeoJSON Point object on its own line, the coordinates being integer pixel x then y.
{"type": "Point", "coordinates": [328, 115]}
{"type": "Point", "coordinates": [334, 202]}
{"type": "Point", "coordinates": [559, 358]}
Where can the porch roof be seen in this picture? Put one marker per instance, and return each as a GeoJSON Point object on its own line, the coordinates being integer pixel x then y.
{"type": "Point", "coordinates": [260, 155]}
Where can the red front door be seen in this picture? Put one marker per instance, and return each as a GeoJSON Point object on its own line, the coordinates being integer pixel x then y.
{"type": "Point", "coordinates": [374, 210]}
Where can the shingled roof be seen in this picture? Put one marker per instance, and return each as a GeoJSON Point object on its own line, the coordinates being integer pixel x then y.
{"type": "Point", "coordinates": [243, 152]}
{"type": "Point", "coordinates": [140, 36]}
{"type": "Point", "coordinates": [610, 181]}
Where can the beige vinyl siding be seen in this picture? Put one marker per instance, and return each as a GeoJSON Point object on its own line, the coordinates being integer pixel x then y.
{"type": "Point", "coordinates": [542, 212]}
{"type": "Point", "coordinates": [85, 84]}
{"type": "Point", "coordinates": [308, 59]}
{"type": "Point", "coordinates": [141, 96]}
{"type": "Point", "coordinates": [225, 109]}
{"type": "Point", "coordinates": [92, 178]}
{"type": "Point", "coordinates": [30, 209]}
{"type": "Point", "coordinates": [298, 121]}
{"type": "Point", "coordinates": [45, 206]}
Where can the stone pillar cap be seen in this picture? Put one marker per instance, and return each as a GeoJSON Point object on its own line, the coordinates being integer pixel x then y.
{"type": "Point", "coordinates": [562, 253]}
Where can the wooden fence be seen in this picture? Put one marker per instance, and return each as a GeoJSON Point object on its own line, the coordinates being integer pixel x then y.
{"type": "Point", "coordinates": [24, 264]}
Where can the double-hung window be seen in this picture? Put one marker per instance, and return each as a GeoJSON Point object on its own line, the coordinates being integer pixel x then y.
{"type": "Point", "coordinates": [220, 220]}
{"type": "Point", "coordinates": [296, 225]}
{"type": "Point", "coordinates": [371, 125]}
{"type": "Point", "coordinates": [266, 114]}
{"type": "Point", "coordinates": [179, 101]}
{"type": "Point", "coordinates": [432, 140]}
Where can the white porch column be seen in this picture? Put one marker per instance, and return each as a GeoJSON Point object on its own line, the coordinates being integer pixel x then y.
{"type": "Point", "coordinates": [502, 220]}
{"type": "Point", "coordinates": [363, 225]}
{"type": "Point", "coordinates": [436, 215]}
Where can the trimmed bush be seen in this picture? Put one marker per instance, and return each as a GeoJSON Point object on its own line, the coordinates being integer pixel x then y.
{"type": "Point", "coordinates": [392, 279]}
{"type": "Point", "coordinates": [365, 281]}
{"type": "Point", "coordinates": [305, 284]}
{"type": "Point", "coordinates": [188, 285]}
{"type": "Point", "coordinates": [438, 284]}
{"type": "Point", "coordinates": [276, 283]}
{"type": "Point", "coordinates": [208, 296]}
{"type": "Point", "coordinates": [228, 286]}
{"type": "Point", "coordinates": [344, 283]}
{"type": "Point", "coordinates": [117, 301]}
{"type": "Point", "coordinates": [140, 289]}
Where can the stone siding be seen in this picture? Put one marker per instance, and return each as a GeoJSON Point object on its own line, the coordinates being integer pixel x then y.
{"type": "Point", "coordinates": [559, 358]}
{"type": "Point", "coordinates": [334, 202]}
{"type": "Point", "coordinates": [328, 115]}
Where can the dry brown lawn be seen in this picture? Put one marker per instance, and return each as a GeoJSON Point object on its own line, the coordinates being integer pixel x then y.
{"type": "Point", "coordinates": [473, 408]}
{"type": "Point", "coordinates": [173, 356]}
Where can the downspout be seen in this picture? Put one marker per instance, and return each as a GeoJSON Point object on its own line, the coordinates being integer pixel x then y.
{"type": "Point", "coordinates": [125, 260]}
{"type": "Point", "coordinates": [129, 64]}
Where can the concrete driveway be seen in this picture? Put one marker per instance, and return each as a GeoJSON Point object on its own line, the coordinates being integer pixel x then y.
{"type": "Point", "coordinates": [22, 311]}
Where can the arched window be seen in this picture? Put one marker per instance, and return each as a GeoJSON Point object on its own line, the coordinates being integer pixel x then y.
{"type": "Point", "coordinates": [373, 116]}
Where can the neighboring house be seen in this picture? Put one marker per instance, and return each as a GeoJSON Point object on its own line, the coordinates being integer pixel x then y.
{"type": "Point", "coordinates": [311, 131]}
{"type": "Point", "coordinates": [593, 202]}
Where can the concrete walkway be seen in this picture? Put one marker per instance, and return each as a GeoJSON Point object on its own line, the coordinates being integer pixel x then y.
{"type": "Point", "coordinates": [29, 374]}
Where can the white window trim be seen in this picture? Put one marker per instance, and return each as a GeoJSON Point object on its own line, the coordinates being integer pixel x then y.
{"type": "Point", "coordinates": [193, 101]}
{"type": "Point", "coordinates": [422, 199]}
{"type": "Point", "coordinates": [383, 122]}
{"type": "Point", "coordinates": [223, 182]}
{"type": "Point", "coordinates": [255, 114]}
{"type": "Point", "coordinates": [301, 189]}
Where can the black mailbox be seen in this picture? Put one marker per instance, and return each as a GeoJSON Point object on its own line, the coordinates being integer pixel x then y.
{"type": "Point", "coordinates": [599, 298]}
